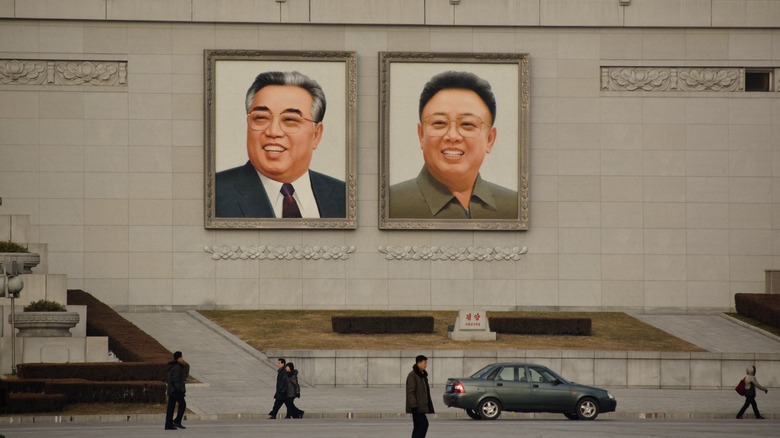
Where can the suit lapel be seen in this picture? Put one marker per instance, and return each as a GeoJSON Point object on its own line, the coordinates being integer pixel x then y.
{"type": "Point", "coordinates": [253, 200]}
{"type": "Point", "coordinates": [323, 194]}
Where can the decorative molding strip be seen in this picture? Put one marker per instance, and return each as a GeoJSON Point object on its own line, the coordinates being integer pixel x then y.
{"type": "Point", "coordinates": [62, 72]}
{"type": "Point", "coordinates": [471, 253]}
{"type": "Point", "coordinates": [722, 79]}
{"type": "Point", "coordinates": [262, 252]}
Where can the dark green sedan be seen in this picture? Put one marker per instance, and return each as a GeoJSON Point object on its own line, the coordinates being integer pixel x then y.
{"type": "Point", "coordinates": [525, 387]}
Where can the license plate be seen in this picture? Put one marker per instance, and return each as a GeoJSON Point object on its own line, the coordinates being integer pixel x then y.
{"type": "Point", "coordinates": [449, 388]}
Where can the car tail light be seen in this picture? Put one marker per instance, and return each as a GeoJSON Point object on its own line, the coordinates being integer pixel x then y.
{"type": "Point", "coordinates": [458, 388]}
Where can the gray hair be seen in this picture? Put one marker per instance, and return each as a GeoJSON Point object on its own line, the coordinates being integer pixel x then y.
{"type": "Point", "coordinates": [290, 78]}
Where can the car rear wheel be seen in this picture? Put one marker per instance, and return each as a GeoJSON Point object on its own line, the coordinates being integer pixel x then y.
{"type": "Point", "coordinates": [587, 409]}
{"type": "Point", "coordinates": [572, 416]}
{"type": "Point", "coordinates": [489, 409]}
{"type": "Point", "coordinates": [473, 414]}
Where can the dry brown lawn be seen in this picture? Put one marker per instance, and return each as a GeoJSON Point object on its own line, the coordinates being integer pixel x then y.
{"type": "Point", "coordinates": [311, 329]}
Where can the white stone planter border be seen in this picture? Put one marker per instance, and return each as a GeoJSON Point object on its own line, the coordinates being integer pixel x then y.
{"type": "Point", "coordinates": [45, 324]}
{"type": "Point", "coordinates": [26, 260]}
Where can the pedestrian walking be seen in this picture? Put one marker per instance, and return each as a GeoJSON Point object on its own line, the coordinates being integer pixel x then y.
{"type": "Point", "coordinates": [418, 397]}
{"type": "Point", "coordinates": [176, 374]}
{"type": "Point", "coordinates": [293, 391]}
{"type": "Point", "coordinates": [281, 390]}
{"type": "Point", "coordinates": [751, 383]}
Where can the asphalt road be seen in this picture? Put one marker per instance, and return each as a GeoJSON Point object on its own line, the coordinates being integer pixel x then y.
{"type": "Point", "coordinates": [385, 428]}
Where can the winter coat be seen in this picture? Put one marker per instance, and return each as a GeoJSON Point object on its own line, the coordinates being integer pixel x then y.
{"type": "Point", "coordinates": [293, 389]}
{"type": "Point", "coordinates": [751, 383]}
{"type": "Point", "coordinates": [281, 384]}
{"type": "Point", "coordinates": [174, 377]}
{"type": "Point", "coordinates": [418, 392]}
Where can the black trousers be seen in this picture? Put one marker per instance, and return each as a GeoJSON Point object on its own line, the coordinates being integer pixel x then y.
{"type": "Point", "coordinates": [420, 425]}
{"type": "Point", "coordinates": [292, 410]}
{"type": "Point", "coordinates": [750, 400]}
{"type": "Point", "coordinates": [278, 402]}
{"type": "Point", "coordinates": [172, 401]}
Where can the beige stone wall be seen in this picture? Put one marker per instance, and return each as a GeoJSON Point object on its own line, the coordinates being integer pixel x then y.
{"type": "Point", "coordinates": [639, 200]}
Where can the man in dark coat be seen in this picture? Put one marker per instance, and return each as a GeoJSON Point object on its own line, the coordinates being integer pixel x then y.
{"type": "Point", "coordinates": [418, 397]}
{"type": "Point", "coordinates": [175, 377]}
{"type": "Point", "coordinates": [281, 388]}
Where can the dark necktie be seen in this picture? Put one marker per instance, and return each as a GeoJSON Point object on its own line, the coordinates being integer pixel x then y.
{"type": "Point", "coordinates": [289, 206]}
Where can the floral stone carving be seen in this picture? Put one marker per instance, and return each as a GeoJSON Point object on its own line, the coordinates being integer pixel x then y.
{"type": "Point", "coordinates": [470, 253]}
{"type": "Point", "coordinates": [721, 79]}
{"type": "Point", "coordinates": [61, 72]}
{"type": "Point", "coordinates": [263, 252]}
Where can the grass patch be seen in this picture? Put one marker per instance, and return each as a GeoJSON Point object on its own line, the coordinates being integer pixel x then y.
{"type": "Point", "coordinates": [758, 324]}
{"type": "Point", "coordinates": [311, 330]}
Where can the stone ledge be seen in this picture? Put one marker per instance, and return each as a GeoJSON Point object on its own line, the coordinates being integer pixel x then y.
{"type": "Point", "coordinates": [550, 13]}
{"type": "Point", "coordinates": [650, 369]}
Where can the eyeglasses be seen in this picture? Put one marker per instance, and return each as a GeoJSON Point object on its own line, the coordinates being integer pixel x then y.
{"type": "Point", "coordinates": [436, 125]}
{"type": "Point", "coordinates": [289, 122]}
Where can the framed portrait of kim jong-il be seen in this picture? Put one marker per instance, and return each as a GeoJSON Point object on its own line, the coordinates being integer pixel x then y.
{"type": "Point", "coordinates": [454, 140]}
{"type": "Point", "coordinates": [280, 136]}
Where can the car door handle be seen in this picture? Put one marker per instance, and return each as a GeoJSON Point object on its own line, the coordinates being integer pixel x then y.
{"type": "Point", "coordinates": [536, 386]}
{"type": "Point", "coordinates": [499, 384]}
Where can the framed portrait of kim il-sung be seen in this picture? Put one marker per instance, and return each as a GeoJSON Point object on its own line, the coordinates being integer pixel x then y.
{"type": "Point", "coordinates": [280, 136]}
{"type": "Point", "coordinates": [454, 140]}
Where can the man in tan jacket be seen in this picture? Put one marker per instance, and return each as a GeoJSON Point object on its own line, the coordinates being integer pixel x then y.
{"type": "Point", "coordinates": [418, 397]}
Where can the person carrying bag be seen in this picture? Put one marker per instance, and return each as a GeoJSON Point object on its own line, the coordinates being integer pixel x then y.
{"type": "Point", "coordinates": [749, 384]}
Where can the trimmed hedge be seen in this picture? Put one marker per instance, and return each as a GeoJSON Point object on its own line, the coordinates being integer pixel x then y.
{"type": "Point", "coordinates": [36, 386]}
{"type": "Point", "coordinates": [128, 342]}
{"type": "Point", "coordinates": [541, 326]}
{"type": "Point", "coordinates": [26, 403]}
{"type": "Point", "coordinates": [82, 391]}
{"type": "Point", "coordinates": [85, 391]}
{"type": "Point", "coordinates": [761, 307]}
{"type": "Point", "coordinates": [46, 387]}
{"type": "Point", "coordinates": [382, 324]}
{"type": "Point", "coordinates": [93, 371]}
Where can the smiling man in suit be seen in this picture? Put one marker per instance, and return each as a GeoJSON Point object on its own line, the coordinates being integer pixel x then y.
{"type": "Point", "coordinates": [284, 127]}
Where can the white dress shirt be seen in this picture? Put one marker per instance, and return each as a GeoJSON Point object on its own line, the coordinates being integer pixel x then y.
{"type": "Point", "coordinates": [303, 195]}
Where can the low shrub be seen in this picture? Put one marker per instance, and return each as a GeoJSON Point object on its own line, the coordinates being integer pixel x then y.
{"type": "Point", "coordinates": [761, 307]}
{"type": "Point", "coordinates": [541, 326]}
{"type": "Point", "coordinates": [382, 324]}
{"type": "Point", "coordinates": [27, 403]}
{"type": "Point", "coordinates": [32, 386]}
{"type": "Point", "coordinates": [6, 246]}
{"type": "Point", "coordinates": [93, 371]}
{"type": "Point", "coordinates": [82, 391]}
{"type": "Point", "coordinates": [45, 306]}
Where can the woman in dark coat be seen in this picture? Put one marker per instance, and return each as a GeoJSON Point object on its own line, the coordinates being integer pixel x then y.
{"type": "Point", "coordinates": [293, 391]}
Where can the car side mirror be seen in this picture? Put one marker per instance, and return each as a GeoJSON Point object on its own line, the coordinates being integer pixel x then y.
{"type": "Point", "coordinates": [556, 382]}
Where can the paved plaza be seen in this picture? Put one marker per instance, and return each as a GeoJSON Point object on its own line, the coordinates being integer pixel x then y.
{"type": "Point", "coordinates": [239, 379]}
{"type": "Point", "coordinates": [237, 385]}
{"type": "Point", "coordinates": [401, 427]}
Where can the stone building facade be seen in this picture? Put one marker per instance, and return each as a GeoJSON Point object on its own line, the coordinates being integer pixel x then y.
{"type": "Point", "coordinates": [654, 153]}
